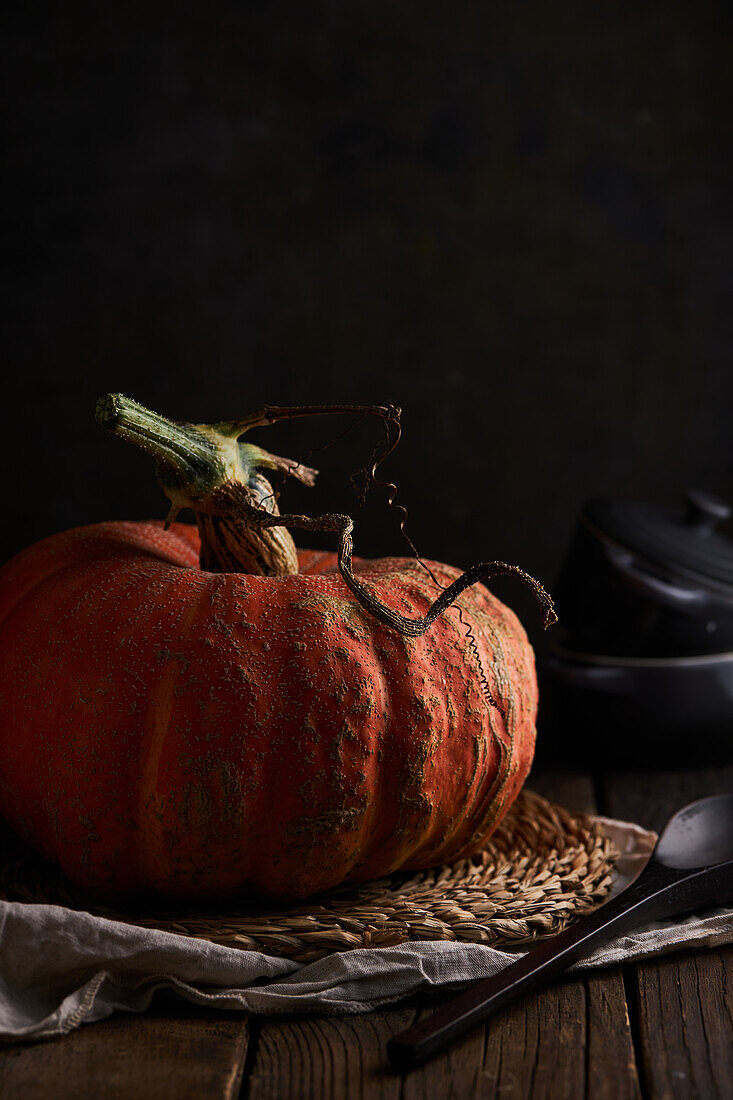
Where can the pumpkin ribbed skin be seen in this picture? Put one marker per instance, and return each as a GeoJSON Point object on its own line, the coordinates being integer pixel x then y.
{"type": "Point", "coordinates": [197, 734]}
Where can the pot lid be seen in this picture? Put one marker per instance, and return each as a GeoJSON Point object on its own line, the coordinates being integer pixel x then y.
{"type": "Point", "coordinates": [684, 540]}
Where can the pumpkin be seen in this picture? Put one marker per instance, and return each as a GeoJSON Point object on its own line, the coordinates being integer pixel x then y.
{"type": "Point", "coordinates": [260, 723]}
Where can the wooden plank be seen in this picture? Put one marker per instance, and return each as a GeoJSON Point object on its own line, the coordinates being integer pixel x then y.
{"type": "Point", "coordinates": [611, 1060]}
{"type": "Point", "coordinates": [572, 1038]}
{"type": "Point", "coordinates": [175, 1050]}
{"type": "Point", "coordinates": [650, 798]}
{"type": "Point", "coordinates": [683, 1002]}
{"type": "Point", "coordinates": [536, 1048]}
{"type": "Point", "coordinates": [319, 1057]}
{"type": "Point", "coordinates": [685, 1007]}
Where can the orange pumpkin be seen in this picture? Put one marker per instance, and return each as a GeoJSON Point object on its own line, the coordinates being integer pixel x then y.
{"type": "Point", "coordinates": [198, 733]}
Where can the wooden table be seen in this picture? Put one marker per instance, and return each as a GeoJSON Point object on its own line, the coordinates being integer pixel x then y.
{"type": "Point", "coordinates": [660, 1028]}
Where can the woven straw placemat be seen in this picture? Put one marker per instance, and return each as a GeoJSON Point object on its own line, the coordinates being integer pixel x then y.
{"type": "Point", "coordinates": [543, 867]}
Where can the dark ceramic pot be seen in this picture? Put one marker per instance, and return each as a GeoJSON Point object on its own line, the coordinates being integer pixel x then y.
{"type": "Point", "coordinates": [642, 669]}
{"type": "Point", "coordinates": [637, 712]}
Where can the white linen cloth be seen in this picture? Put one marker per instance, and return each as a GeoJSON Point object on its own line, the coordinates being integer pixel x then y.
{"type": "Point", "coordinates": [60, 968]}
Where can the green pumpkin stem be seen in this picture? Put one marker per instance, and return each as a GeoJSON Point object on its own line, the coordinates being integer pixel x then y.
{"type": "Point", "coordinates": [194, 462]}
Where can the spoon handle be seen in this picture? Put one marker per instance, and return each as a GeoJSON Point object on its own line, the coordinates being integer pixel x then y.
{"type": "Point", "coordinates": [658, 892]}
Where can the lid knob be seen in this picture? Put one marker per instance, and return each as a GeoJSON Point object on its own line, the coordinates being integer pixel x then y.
{"type": "Point", "coordinates": [705, 511]}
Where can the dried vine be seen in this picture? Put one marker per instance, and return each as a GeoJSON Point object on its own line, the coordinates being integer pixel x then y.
{"type": "Point", "coordinates": [233, 496]}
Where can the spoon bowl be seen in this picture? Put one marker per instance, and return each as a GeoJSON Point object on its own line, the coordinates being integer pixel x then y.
{"type": "Point", "coordinates": [699, 835]}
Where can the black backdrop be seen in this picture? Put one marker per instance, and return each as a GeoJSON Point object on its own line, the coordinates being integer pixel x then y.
{"type": "Point", "coordinates": [513, 220]}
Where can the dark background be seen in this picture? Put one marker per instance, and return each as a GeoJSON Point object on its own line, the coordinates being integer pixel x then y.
{"type": "Point", "coordinates": [513, 220]}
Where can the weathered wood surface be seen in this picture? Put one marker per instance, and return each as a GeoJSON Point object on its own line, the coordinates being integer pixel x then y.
{"type": "Point", "coordinates": [171, 1052]}
{"type": "Point", "coordinates": [540, 1048]}
{"type": "Point", "coordinates": [660, 1029]}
